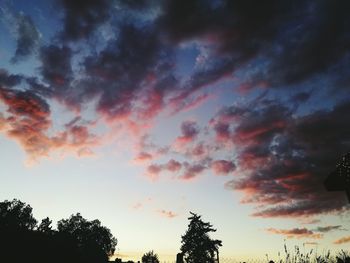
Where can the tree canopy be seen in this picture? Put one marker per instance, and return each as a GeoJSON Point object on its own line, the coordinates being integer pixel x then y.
{"type": "Point", "coordinates": [150, 257]}
{"type": "Point", "coordinates": [95, 239]}
{"type": "Point", "coordinates": [16, 215]}
{"type": "Point", "coordinates": [76, 239]}
{"type": "Point", "coordinates": [197, 246]}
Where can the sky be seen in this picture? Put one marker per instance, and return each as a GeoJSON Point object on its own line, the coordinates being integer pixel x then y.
{"type": "Point", "coordinates": [138, 112]}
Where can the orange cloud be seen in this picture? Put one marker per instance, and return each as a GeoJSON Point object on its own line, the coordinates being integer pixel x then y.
{"type": "Point", "coordinates": [342, 240]}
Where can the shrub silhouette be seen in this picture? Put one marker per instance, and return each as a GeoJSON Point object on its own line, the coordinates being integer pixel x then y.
{"type": "Point", "coordinates": [150, 257]}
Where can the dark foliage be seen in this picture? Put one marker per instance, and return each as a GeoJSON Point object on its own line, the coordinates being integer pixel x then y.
{"type": "Point", "coordinates": [95, 241]}
{"type": "Point", "coordinates": [21, 239]}
{"type": "Point", "coordinates": [197, 246]}
{"type": "Point", "coordinates": [150, 257]}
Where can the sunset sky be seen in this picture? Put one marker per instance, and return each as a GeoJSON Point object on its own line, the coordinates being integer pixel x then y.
{"type": "Point", "coordinates": [137, 112]}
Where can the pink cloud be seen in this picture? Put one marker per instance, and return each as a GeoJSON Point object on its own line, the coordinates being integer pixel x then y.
{"type": "Point", "coordinates": [190, 131]}
{"type": "Point", "coordinates": [167, 214]}
{"type": "Point", "coordinates": [192, 171]}
{"type": "Point", "coordinates": [222, 167]}
{"type": "Point", "coordinates": [153, 171]}
{"type": "Point", "coordinates": [173, 166]}
{"type": "Point", "coordinates": [143, 157]}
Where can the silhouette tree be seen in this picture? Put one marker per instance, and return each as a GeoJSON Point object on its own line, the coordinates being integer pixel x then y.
{"type": "Point", "coordinates": [339, 179]}
{"type": "Point", "coordinates": [45, 226]}
{"type": "Point", "coordinates": [19, 232]}
{"type": "Point", "coordinates": [150, 257]}
{"type": "Point", "coordinates": [76, 241]}
{"type": "Point", "coordinates": [95, 242]}
{"type": "Point", "coordinates": [197, 246]}
{"type": "Point", "coordinates": [16, 215]}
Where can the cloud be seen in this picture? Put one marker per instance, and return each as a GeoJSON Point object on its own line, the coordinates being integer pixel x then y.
{"type": "Point", "coordinates": [173, 166]}
{"type": "Point", "coordinates": [28, 37]}
{"type": "Point", "coordinates": [22, 27]}
{"type": "Point", "coordinates": [153, 171]}
{"type": "Point", "coordinates": [283, 159]}
{"type": "Point", "coordinates": [190, 131]}
{"type": "Point", "coordinates": [137, 206]}
{"type": "Point", "coordinates": [224, 167]}
{"type": "Point", "coordinates": [235, 36]}
{"type": "Point", "coordinates": [185, 170]}
{"type": "Point", "coordinates": [322, 46]}
{"type": "Point", "coordinates": [56, 66]}
{"type": "Point", "coordinates": [167, 214]}
{"type": "Point", "coordinates": [28, 121]}
{"type": "Point", "coordinates": [125, 70]}
{"type": "Point", "coordinates": [191, 171]}
{"type": "Point", "coordinates": [82, 18]}
{"type": "Point", "coordinates": [342, 240]}
{"type": "Point", "coordinates": [143, 157]}
{"type": "Point", "coordinates": [326, 229]}
{"type": "Point", "coordinates": [295, 233]}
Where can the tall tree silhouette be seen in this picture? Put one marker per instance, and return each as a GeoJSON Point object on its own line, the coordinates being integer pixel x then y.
{"type": "Point", "coordinates": [95, 242]}
{"type": "Point", "coordinates": [150, 257]}
{"type": "Point", "coordinates": [197, 246]}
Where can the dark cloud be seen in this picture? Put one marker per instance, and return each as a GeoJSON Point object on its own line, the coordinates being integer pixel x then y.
{"type": "Point", "coordinates": [301, 97]}
{"type": "Point", "coordinates": [56, 67]}
{"type": "Point", "coordinates": [313, 45]}
{"type": "Point", "coordinates": [289, 42]}
{"type": "Point", "coordinates": [235, 32]}
{"type": "Point", "coordinates": [285, 159]}
{"type": "Point", "coordinates": [295, 233]}
{"type": "Point", "coordinates": [135, 62]}
{"type": "Point", "coordinates": [140, 5]}
{"type": "Point", "coordinates": [326, 229]}
{"type": "Point", "coordinates": [189, 130]}
{"type": "Point", "coordinates": [27, 37]}
{"type": "Point", "coordinates": [9, 80]}
{"type": "Point", "coordinates": [83, 17]}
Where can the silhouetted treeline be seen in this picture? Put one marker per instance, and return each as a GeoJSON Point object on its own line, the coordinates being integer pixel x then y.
{"type": "Point", "coordinates": [76, 239]}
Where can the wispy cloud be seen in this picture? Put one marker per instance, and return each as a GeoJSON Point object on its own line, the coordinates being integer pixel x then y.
{"type": "Point", "coordinates": [167, 213]}
{"type": "Point", "coordinates": [295, 233]}
{"type": "Point", "coordinates": [342, 240]}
